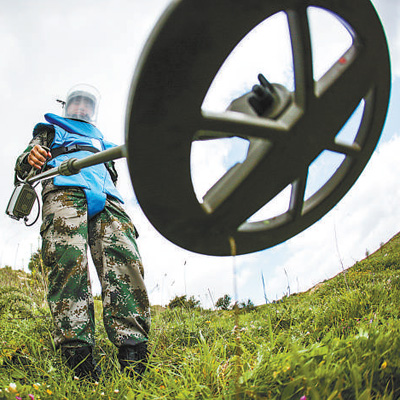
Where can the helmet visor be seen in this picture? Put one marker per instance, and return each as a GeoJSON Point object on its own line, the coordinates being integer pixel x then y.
{"type": "Point", "coordinates": [82, 103]}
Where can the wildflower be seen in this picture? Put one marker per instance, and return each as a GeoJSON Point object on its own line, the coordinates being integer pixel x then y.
{"type": "Point", "coordinates": [31, 396]}
{"type": "Point", "coordinates": [48, 391]}
{"type": "Point", "coordinates": [116, 391]}
{"type": "Point", "coordinates": [18, 398]}
{"type": "Point", "coordinates": [208, 322]}
{"type": "Point", "coordinates": [303, 398]}
{"type": "Point", "coordinates": [162, 387]}
{"type": "Point", "coordinates": [384, 365]}
{"type": "Point", "coordinates": [12, 387]}
{"type": "Point", "coordinates": [36, 386]}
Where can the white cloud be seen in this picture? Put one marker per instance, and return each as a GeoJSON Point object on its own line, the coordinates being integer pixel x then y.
{"type": "Point", "coordinates": [389, 13]}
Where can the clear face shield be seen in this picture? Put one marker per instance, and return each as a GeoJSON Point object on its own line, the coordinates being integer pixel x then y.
{"type": "Point", "coordinates": [82, 103]}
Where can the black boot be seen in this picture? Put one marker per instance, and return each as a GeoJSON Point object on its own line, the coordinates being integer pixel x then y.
{"type": "Point", "coordinates": [133, 359]}
{"type": "Point", "coordinates": [80, 360]}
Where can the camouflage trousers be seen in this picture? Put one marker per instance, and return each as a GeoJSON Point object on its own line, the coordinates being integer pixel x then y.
{"type": "Point", "coordinates": [110, 236]}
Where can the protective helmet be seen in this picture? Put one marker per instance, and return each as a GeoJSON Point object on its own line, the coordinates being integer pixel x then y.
{"type": "Point", "coordinates": [82, 103]}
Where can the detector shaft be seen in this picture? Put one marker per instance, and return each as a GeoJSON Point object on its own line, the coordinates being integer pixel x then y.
{"type": "Point", "coordinates": [72, 166]}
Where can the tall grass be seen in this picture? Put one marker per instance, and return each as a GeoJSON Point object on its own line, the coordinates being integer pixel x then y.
{"type": "Point", "coordinates": [339, 340]}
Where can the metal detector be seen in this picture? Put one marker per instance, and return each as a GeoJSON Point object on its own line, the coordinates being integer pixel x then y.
{"type": "Point", "coordinates": [185, 51]}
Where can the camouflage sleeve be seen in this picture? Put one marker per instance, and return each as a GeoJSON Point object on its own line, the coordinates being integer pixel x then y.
{"type": "Point", "coordinates": [43, 135]}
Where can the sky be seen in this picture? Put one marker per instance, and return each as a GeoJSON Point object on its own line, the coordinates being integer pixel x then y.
{"type": "Point", "coordinates": [49, 46]}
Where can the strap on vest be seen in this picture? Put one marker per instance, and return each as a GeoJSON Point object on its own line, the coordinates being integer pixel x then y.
{"type": "Point", "coordinates": [71, 149]}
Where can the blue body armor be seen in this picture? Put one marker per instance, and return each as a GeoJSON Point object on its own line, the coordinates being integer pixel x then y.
{"type": "Point", "coordinates": [95, 181]}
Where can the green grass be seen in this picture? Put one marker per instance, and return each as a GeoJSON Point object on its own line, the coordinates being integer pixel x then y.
{"type": "Point", "coordinates": [339, 340]}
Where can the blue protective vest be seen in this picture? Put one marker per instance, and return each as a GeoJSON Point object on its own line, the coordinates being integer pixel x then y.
{"type": "Point", "coordinates": [95, 181]}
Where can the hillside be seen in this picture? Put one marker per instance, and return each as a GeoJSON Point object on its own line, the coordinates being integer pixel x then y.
{"type": "Point", "coordinates": [339, 340]}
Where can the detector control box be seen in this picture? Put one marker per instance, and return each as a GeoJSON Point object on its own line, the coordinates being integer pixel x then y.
{"type": "Point", "coordinates": [21, 201]}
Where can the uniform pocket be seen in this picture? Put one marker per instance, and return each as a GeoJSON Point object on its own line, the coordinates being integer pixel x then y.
{"type": "Point", "coordinates": [47, 247]}
{"type": "Point", "coordinates": [46, 223]}
{"type": "Point", "coordinates": [123, 217]}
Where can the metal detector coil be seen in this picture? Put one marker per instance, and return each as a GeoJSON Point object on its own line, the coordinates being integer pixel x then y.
{"type": "Point", "coordinates": [164, 117]}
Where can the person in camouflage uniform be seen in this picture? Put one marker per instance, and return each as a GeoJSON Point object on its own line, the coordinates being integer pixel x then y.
{"type": "Point", "coordinates": [74, 222]}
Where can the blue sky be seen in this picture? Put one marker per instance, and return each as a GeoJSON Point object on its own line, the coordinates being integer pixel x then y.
{"type": "Point", "coordinates": [51, 45]}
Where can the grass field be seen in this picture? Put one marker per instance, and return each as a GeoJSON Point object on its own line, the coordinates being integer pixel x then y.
{"type": "Point", "coordinates": [339, 340]}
